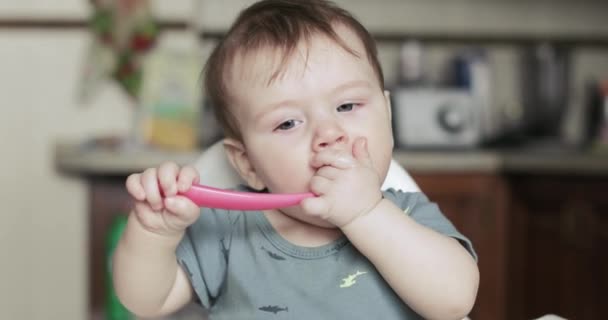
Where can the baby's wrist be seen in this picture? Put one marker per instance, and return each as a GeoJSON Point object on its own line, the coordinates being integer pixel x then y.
{"type": "Point", "coordinates": [162, 237]}
{"type": "Point", "coordinates": [365, 212]}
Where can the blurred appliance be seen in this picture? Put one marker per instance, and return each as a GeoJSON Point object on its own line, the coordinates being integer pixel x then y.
{"type": "Point", "coordinates": [545, 89]}
{"type": "Point", "coordinates": [470, 70]}
{"type": "Point", "coordinates": [411, 69]}
{"type": "Point", "coordinates": [435, 118]}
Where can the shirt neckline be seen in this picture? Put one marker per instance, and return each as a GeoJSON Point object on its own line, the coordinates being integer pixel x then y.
{"type": "Point", "coordinates": [294, 250]}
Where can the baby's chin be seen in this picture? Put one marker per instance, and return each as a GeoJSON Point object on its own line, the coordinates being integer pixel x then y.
{"type": "Point", "coordinates": [297, 214]}
{"type": "Point", "coordinates": [321, 224]}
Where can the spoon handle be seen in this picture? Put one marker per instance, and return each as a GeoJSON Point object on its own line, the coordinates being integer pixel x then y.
{"type": "Point", "coordinates": [211, 197]}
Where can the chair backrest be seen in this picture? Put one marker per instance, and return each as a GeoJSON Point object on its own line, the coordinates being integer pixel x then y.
{"type": "Point", "coordinates": [215, 170]}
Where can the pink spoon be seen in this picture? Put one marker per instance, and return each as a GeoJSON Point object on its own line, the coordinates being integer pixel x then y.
{"type": "Point", "coordinates": [210, 197]}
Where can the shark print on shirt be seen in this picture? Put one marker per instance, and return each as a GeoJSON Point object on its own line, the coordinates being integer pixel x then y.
{"type": "Point", "coordinates": [273, 309]}
{"type": "Point", "coordinates": [272, 254]}
{"type": "Point", "coordinates": [351, 279]}
{"type": "Point", "coordinates": [407, 211]}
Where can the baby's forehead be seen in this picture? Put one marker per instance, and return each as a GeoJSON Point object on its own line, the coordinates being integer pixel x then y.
{"type": "Point", "coordinates": [260, 65]}
{"type": "Point", "coordinates": [266, 63]}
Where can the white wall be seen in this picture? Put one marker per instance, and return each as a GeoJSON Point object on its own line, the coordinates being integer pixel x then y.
{"type": "Point", "coordinates": [43, 233]}
{"type": "Point", "coordinates": [43, 226]}
{"type": "Point", "coordinates": [44, 215]}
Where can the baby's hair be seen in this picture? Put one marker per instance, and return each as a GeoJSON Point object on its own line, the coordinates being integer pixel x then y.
{"type": "Point", "coordinates": [279, 24]}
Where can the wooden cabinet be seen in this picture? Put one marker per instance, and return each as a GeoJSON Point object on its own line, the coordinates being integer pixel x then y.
{"type": "Point", "coordinates": [541, 240]}
{"type": "Point", "coordinates": [476, 203]}
{"type": "Point", "coordinates": [108, 198]}
{"type": "Point", "coordinates": [564, 267]}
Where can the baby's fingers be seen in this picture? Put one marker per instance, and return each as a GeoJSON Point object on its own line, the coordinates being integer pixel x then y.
{"type": "Point", "coordinates": [149, 181]}
{"type": "Point", "coordinates": [134, 187]}
{"type": "Point", "coordinates": [183, 209]}
{"type": "Point", "coordinates": [316, 206]}
{"type": "Point", "coordinates": [320, 185]}
{"type": "Point", "coordinates": [167, 177]}
{"type": "Point", "coordinates": [328, 172]}
{"type": "Point", "coordinates": [188, 175]}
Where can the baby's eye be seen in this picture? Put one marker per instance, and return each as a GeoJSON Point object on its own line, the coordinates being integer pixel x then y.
{"type": "Point", "coordinates": [287, 125]}
{"type": "Point", "coordinates": [346, 107]}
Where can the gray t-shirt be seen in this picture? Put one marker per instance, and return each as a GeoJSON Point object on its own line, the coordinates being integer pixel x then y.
{"type": "Point", "coordinates": [241, 268]}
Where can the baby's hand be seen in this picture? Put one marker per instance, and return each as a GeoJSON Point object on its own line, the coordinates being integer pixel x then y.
{"type": "Point", "coordinates": [347, 185]}
{"type": "Point", "coordinates": [157, 206]}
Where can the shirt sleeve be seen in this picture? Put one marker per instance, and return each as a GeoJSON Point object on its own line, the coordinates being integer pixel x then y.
{"type": "Point", "coordinates": [201, 253]}
{"type": "Point", "coordinates": [426, 213]}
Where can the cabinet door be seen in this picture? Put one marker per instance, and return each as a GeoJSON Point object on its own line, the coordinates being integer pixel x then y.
{"type": "Point", "coordinates": [567, 236]}
{"type": "Point", "coordinates": [109, 198]}
{"type": "Point", "coordinates": [476, 205]}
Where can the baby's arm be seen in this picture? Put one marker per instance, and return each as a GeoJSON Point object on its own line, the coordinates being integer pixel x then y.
{"type": "Point", "coordinates": [431, 272]}
{"type": "Point", "coordinates": [147, 278]}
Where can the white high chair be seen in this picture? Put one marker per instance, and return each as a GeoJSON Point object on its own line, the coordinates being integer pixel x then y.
{"type": "Point", "coordinates": [215, 170]}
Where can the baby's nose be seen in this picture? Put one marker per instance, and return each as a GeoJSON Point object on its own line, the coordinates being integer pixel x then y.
{"type": "Point", "coordinates": [330, 136]}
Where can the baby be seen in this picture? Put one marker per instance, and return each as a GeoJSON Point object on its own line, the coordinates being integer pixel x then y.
{"type": "Point", "coordinates": [299, 91]}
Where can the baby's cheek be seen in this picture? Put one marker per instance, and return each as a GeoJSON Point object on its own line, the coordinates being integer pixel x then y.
{"type": "Point", "coordinates": [289, 179]}
{"type": "Point", "coordinates": [381, 158]}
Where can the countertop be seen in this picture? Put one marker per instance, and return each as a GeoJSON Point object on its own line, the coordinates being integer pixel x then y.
{"type": "Point", "coordinates": [75, 158]}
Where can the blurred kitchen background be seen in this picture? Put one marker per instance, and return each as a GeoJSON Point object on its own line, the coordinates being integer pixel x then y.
{"type": "Point", "coordinates": [500, 113]}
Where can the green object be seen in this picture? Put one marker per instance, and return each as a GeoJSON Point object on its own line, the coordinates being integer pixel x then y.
{"type": "Point", "coordinates": [114, 310]}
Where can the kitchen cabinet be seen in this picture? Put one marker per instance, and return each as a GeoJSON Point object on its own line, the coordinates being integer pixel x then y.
{"type": "Point", "coordinates": [108, 198]}
{"type": "Point", "coordinates": [476, 203]}
{"type": "Point", "coordinates": [563, 266]}
{"type": "Point", "coordinates": [541, 240]}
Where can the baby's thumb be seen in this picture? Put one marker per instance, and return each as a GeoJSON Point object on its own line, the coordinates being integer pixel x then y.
{"type": "Point", "coordinates": [360, 151]}
{"type": "Point", "coordinates": [315, 206]}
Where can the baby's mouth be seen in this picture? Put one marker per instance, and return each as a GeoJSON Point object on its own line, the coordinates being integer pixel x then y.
{"type": "Point", "coordinates": [315, 170]}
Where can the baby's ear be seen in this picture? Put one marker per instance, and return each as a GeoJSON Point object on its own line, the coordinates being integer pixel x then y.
{"type": "Point", "coordinates": [387, 98]}
{"type": "Point", "coordinates": [237, 155]}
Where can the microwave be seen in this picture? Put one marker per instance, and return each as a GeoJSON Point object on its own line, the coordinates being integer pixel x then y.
{"type": "Point", "coordinates": [435, 118]}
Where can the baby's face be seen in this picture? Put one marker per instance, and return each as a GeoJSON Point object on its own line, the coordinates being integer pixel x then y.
{"type": "Point", "coordinates": [325, 99]}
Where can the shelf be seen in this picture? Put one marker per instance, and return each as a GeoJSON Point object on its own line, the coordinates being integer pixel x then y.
{"type": "Point", "coordinates": [579, 23]}
{"type": "Point", "coordinates": [70, 23]}
{"type": "Point", "coordinates": [78, 160]}
{"type": "Point", "coordinates": [470, 38]}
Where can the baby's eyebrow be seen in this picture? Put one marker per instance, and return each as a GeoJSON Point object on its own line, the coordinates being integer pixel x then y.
{"type": "Point", "coordinates": [274, 106]}
{"type": "Point", "coordinates": [350, 85]}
